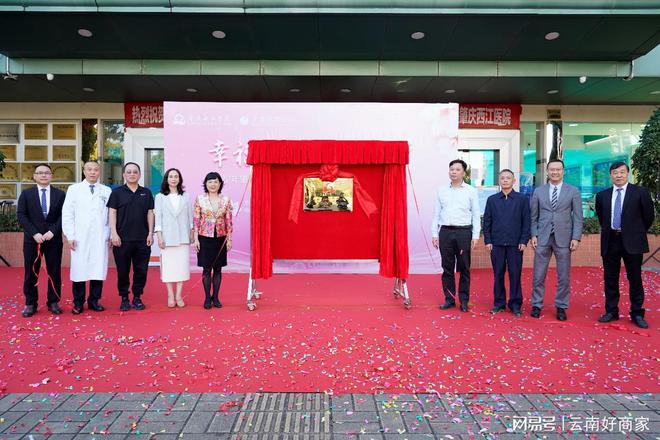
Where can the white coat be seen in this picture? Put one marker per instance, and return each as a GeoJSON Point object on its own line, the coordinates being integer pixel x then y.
{"type": "Point", "coordinates": [85, 220]}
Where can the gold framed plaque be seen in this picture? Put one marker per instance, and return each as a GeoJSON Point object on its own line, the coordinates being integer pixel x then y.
{"type": "Point", "coordinates": [62, 186]}
{"type": "Point", "coordinates": [36, 153]}
{"type": "Point", "coordinates": [25, 186]}
{"type": "Point", "coordinates": [27, 172]}
{"type": "Point", "coordinates": [65, 153]}
{"type": "Point", "coordinates": [11, 172]}
{"type": "Point", "coordinates": [7, 190]}
{"type": "Point", "coordinates": [9, 151]}
{"type": "Point", "coordinates": [328, 196]}
{"type": "Point", "coordinates": [64, 131]}
{"type": "Point", "coordinates": [63, 172]}
{"type": "Point", "coordinates": [36, 131]}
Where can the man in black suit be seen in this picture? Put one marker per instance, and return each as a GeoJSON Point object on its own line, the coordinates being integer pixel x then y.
{"type": "Point", "coordinates": [625, 213]}
{"type": "Point", "coordinates": [39, 212]}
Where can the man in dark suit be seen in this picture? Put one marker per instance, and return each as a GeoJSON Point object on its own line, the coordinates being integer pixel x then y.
{"type": "Point", "coordinates": [39, 212]}
{"type": "Point", "coordinates": [625, 213]}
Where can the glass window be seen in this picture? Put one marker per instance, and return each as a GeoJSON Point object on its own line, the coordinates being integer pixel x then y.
{"type": "Point", "coordinates": [590, 148]}
{"type": "Point", "coordinates": [113, 152]}
{"type": "Point", "coordinates": [154, 163]}
{"type": "Point", "coordinates": [483, 166]}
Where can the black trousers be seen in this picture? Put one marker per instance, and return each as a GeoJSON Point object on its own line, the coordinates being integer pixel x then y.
{"type": "Point", "coordinates": [455, 247]}
{"type": "Point", "coordinates": [52, 254]}
{"type": "Point", "coordinates": [95, 289]}
{"type": "Point", "coordinates": [506, 258]}
{"type": "Point", "coordinates": [611, 269]}
{"type": "Point", "coordinates": [136, 253]}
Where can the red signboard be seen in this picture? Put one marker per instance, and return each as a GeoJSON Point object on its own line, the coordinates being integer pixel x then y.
{"type": "Point", "coordinates": [502, 116]}
{"type": "Point", "coordinates": [143, 114]}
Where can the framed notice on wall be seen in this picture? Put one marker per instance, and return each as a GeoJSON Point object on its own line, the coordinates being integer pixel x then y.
{"type": "Point", "coordinates": [64, 131]}
{"type": "Point", "coordinates": [9, 134]}
{"type": "Point", "coordinates": [65, 153]}
{"type": "Point", "coordinates": [36, 131]}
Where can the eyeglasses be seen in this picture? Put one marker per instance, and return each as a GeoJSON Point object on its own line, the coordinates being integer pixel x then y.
{"type": "Point", "coordinates": [43, 173]}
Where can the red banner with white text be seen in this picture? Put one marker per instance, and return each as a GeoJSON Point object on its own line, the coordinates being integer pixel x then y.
{"type": "Point", "coordinates": [143, 114]}
{"type": "Point", "coordinates": [502, 116]}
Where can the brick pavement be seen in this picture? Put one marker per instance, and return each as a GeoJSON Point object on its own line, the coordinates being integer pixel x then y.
{"type": "Point", "coordinates": [298, 416]}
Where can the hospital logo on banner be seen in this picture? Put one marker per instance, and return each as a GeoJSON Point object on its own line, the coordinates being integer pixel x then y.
{"type": "Point", "coordinates": [502, 116]}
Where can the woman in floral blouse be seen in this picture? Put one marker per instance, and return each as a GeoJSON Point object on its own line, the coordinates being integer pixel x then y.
{"type": "Point", "coordinates": [212, 229]}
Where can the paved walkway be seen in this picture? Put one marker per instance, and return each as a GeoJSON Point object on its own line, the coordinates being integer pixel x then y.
{"type": "Point", "coordinates": [294, 416]}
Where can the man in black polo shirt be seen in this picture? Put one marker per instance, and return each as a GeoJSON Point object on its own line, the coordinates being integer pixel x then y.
{"type": "Point", "coordinates": [131, 218]}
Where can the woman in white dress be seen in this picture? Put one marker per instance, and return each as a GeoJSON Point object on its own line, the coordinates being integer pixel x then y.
{"type": "Point", "coordinates": [174, 228]}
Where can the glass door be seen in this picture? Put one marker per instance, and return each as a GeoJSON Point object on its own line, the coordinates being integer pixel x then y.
{"type": "Point", "coordinates": [154, 168]}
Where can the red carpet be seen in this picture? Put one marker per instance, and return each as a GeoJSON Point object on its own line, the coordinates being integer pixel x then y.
{"type": "Point", "coordinates": [335, 333]}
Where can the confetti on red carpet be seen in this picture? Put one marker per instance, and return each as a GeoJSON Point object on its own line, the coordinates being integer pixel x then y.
{"type": "Point", "coordinates": [328, 333]}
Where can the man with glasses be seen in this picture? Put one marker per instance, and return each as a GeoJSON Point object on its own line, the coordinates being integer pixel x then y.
{"type": "Point", "coordinates": [131, 218]}
{"type": "Point", "coordinates": [39, 212]}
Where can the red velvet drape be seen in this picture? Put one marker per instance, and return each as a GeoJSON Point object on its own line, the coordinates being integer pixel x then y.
{"type": "Point", "coordinates": [260, 208]}
{"type": "Point", "coordinates": [394, 225]}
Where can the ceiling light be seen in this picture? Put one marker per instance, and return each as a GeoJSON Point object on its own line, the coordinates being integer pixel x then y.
{"type": "Point", "coordinates": [294, 90]}
{"type": "Point", "coordinates": [655, 92]}
{"type": "Point", "coordinates": [551, 36]}
{"type": "Point", "coordinates": [218, 34]}
{"type": "Point", "coordinates": [85, 33]}
{"type": "Point", "coordinates": [450, 91]}
{"type": "Point", "coordinates": [88, 89]}
{"type": "Point", "coordinates": [582, 79]}
{"type": "Point", "coordinates": [50, 76]}
{"type": "Point", "coordinates": [191, 90]}
{"type": "Point", "coordinates": [573, 125]}
{"type": "Point", "coordinates": [346, 90]}
{"type": "Point", "coordinates": [552, 92]}
{"type": "Point", "coordinates": [417, 35]}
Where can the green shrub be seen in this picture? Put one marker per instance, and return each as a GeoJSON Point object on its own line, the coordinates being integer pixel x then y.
{"type": "Point", "coordinates": [9, 222]}
{"type": "Point", "coordinates": [591, 226]}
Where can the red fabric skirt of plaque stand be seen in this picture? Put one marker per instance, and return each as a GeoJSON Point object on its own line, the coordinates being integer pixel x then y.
{"type": "Point", "coordinates": [379, 166]}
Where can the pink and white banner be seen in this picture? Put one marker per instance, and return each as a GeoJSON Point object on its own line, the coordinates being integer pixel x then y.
{"type": "Point", "coordinates": [202, 137]}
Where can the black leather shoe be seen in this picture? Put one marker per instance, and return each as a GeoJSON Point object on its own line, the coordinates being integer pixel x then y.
{"type": "Point", "coordinates": [496, 310]}
{"type": "Point", "coordinates": [447, 305]}
{"type": "Point", "coordinates": [207, 303]}
{"type": "Point", "coordinates": [217, 303]}
{"type": "Point", "coordinates": [561, 314]}
{"type": "Point", "coordinates": [137, 303]}
{"type": "Point", "coordinates": [95, 306]}
{"type": "Point", "coordinates": [639, 321]}
{"type": "Point", "coordinates": [464, 308]}
{"type": "Point", "coordinates": [517, 313]}
{"type": "Point", "coordinates": [608, 317]}
{"type": "Point", "coordinates": [55, 308]}
{"type": "Point", "coordinates": [28, 311]}
{"type": "Point", "coordinates": [536, 312]}
{"type": "Point", "coordinates": [125, 304]}
{"type": "Point", "coordinates": [77, 310]}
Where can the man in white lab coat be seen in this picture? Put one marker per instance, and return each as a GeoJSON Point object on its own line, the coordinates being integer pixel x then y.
{"type": "Point", "coordinates": [85, 225]}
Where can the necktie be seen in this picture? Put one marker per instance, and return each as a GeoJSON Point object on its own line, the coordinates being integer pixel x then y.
{"type": "Point", "coordinates": [554, 198]}
{"type": "Point", "coordinates": [91, 188]}
{"type": "Point", "coordinates": [44, 205]}
{"type": "Point", "coordinates": [616, 218]}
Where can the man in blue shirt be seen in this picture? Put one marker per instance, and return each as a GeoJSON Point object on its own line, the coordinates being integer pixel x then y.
{"type": "Point", "coordinates": [506, 233]}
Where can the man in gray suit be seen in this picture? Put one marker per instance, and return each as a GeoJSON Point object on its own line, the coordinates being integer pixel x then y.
{"type": "Point", "coordinates": [556, 229]}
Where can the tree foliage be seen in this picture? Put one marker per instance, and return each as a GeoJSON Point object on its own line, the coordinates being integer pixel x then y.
{"type": "Point", "coordinates": [646, 158]}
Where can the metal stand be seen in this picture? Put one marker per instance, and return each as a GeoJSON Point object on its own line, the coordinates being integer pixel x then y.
{"type": "Point", "coordinates": [252, 293]}
{"type": "Point", "coordinates": [401, 291]}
